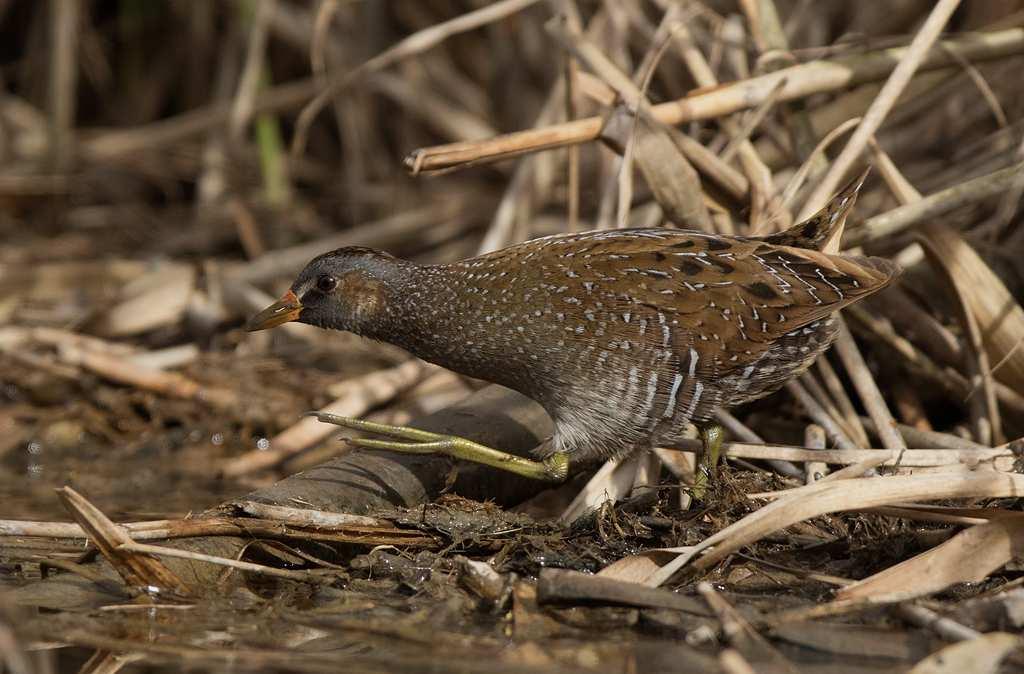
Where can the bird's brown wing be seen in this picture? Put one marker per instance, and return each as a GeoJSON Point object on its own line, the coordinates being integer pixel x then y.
{"type": "Point", "coordinates": [735, 296]}
{"type": "Point", "coordinates": [720, 310]}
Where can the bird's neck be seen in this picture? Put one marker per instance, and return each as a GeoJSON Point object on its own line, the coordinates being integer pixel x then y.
{"type": "Point", "coordinates": [431, 310]}
{"type": "Point", "coordinates": [410, 318]}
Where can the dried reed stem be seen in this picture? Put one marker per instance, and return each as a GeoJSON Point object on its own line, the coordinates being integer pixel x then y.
{"type": "Point", "coordinates": [911, 60]}
{"type": "Point", "coordinates": [800, 81]}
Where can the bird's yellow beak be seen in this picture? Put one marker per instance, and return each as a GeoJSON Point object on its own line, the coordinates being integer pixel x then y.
{"type": "Point", "coordinates": [284, 310]}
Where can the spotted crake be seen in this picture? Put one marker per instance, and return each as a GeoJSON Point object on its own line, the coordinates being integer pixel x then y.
{"type": "Point", "coordinates": [623, 336]}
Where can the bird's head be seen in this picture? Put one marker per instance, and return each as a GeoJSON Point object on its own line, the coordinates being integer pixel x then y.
{"type": "Point", "coordinates": [346, 289]}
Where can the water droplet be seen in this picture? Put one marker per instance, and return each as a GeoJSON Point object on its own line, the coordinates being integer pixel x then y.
{"type": "Point", "coordinates": [263, 443]}
{"type": "Point", "coordinates": [34, 448]}
{"type": "Point", "coordinates": [217, 439]}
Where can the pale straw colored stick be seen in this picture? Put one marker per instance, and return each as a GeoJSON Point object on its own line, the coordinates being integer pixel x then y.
{"type": "Point", "coordinates": [876, 114]}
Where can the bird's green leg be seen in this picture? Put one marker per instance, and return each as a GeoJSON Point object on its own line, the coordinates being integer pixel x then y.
{"type": "Point", "coordinates": [711, 441]}
{"type": "Point", "coordinates": [555, 468]}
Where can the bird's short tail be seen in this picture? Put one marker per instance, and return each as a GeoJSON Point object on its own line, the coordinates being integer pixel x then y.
{"type": "Point", "coordinates": [815, 232]}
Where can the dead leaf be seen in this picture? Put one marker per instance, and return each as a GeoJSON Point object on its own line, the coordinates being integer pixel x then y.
{"type": "Point", "coordinates": [978, 656]}
{"type": "Point", "coordinates": [674, 182]}
{"type": "Point", "coordinates": [968, 557]}
{"type": "Point", "coordinates": [137, 570]}
{"type": "Point", "coordinates": [822, 498]}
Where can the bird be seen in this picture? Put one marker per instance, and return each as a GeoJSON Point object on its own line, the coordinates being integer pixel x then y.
{"type": "Point", "coordinates": [625, 337]}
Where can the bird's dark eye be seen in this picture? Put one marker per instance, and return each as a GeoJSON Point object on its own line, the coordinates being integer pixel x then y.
{"type": "Point", "coordinates": [326, 283]}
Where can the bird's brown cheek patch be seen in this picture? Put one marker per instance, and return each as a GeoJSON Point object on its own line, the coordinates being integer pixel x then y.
{"type": "Point", "coordinates": [365, 295]}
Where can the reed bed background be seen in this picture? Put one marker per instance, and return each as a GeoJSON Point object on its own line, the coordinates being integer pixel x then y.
{"type": "Point", "coordinates": [167, 166]}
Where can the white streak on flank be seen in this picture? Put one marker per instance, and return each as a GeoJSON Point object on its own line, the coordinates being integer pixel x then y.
{"type": "Point", "coordinates": [666, 335]}
{"type": "Point", "coordinates": [698, 389]}
{"type": "Point", "coordinates": [626, 316]}
{"type": "Point", "coordinates": [652, 389]}
{"type": "Point", "coordinates": [634, 381]}
{"type": "Point", "coordinates": [694, 357]}
{"type": "Point", "coordinates": [670, 408]}
{"type": "Point", "coordinates": [643, 326]}
{"type": "Point", "coordinates": [748, 371]}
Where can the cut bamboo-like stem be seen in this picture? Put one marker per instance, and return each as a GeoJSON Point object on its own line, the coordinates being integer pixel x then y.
{"type": "Point", "coordinates": [800, 81]}
{"type": "Point", "coordinates": [866, 387]}
{"type": "Point", "coordinates": [905, 217]}
{"type": "Point", "coordinates": [814, 437]}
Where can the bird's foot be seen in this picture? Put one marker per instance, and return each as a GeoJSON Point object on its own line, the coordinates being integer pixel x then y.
{"type": "Point", "coordinates": [711, 441]}
{"type": "Point", "coordinates": [554, 468]}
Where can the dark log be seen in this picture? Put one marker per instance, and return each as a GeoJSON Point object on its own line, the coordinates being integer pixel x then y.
{"type": "Point", "coordinates": [370, 481]}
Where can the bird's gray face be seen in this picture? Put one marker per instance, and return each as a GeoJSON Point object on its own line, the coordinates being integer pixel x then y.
{"type": "Point", "coordinates": [343, 290]}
